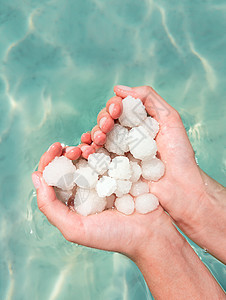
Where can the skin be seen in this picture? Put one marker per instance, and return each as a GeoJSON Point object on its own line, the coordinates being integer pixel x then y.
{"type": "Point", "coordinates": [151, 240]}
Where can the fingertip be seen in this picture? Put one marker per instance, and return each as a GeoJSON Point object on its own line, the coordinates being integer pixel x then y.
{"type": "Point", "coordinates": [73, 153]}
{"type": "Point", "coordinates": [56, 147]}
{"type": "Point", "coordinates": [86, 150]}
{"type": "Point", "coordinates": [99, 138]}
{"type": "Point", "coordinates": [105, 122]}
{"type": "Point", "coordinates": [86, 138]}
{"type": "Point", "coordinates": [53, 151]}
{"type": "Point", "coordinates": [114, 107]}
{"type": "Point", "coordinates": [124, 91]}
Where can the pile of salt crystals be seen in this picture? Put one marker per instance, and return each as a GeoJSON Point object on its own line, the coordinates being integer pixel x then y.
{"type": "Point", "coordinates": [116, 175]}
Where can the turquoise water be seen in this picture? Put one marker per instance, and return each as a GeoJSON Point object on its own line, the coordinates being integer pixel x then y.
{"type": "Point", "coordinates": [59, 61]}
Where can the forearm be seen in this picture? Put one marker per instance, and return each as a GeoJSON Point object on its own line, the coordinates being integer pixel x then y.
{"type": "Point", "coordinates": [172, 270]}
{"type": "Point", "coordinates": [211, 219]}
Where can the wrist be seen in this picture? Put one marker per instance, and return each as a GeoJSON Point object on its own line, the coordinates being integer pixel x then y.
{"type": "Point", "coordinates": [206, 225]}
{"type": "Point", "coordinates": [156, 240]}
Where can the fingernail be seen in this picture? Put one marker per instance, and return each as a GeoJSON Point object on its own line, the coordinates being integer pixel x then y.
{"type": "Point", "coordinates": [97, 133]}
{"type": "Point", "coordinates": [102, 121]}
{"type": "Point", "coordinates": [36, 181]}
{"type": "Point", "coordinates": [68, 149]}
{"type": "Point", "coordinates": [111, 108]}
{"type": "Point", "coordinates": [51, 147]}
{"type": "Point", "coordinates": [124, 87]}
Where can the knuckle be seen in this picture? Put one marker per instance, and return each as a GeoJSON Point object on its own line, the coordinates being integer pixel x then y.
{"type": "Point", "coordinates": [177, 115]}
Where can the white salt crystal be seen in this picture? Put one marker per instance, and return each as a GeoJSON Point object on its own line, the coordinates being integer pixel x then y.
{"type": "Point", "coordinates": [153, 169]}
{"type": "Point", "coordinates": [151, 125]}
{"type": "Point", "coordinates": [141, 145]}
{"type": "Point", "coordinates": [120, 168]}
{"type": "Point", "coordinates": [138, 188]}
{"type": "Point", "coordinates": [86, 178]}
{"type": "Point", "coordinates": [87, 202]}
{"type": "Point", "coordinates": [63, 195]}
{"type": "Point", "coordinates": [110, 201]}
{"type": "Point", "coordinates": [133, 112]}
{"type": "Point", "coordinates": [99, 162]}
{"type": "Point", "coordinates": [106, 186]}
{"type": "Point", "coordinates": [123, 187]}
{"type": "Point", "coordinates": [60, 173]}
{"type": "Point", "coordinates": [125, 204]}
{"type": "Point", "coordinates": [146, 203]}
{"type": "Point", "coordinates": [136, 171]}
{"type": "Point", "coordinates": [116, 141]}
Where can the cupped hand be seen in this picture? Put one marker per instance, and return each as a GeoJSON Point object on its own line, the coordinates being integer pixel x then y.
{"type": "Point", "coordinates": [109, 230]}
{"type": "Point", "coordinates": [181, 191]}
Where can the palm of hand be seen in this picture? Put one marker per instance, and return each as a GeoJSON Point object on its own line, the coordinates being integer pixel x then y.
{"type": "Point", "coordinates": [109, 230]}
{"type": "Point", "coordinates": [182, 186]}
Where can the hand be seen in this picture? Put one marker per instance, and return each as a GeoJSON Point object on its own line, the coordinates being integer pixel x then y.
{"type": "Point", "coordinates": [194, 200]}
{"type": "Point", "coordinates": [109, 230]}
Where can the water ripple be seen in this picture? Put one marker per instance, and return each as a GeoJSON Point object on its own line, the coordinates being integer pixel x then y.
{"type": "Point", "coordinates": [209, 71]}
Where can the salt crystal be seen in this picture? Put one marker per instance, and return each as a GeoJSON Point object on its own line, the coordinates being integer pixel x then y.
{"type": "Point", "coordinates": [123, 187]}
{"type": "Point", "coordinates": [153, 169]}
{"type": "Point", "coordinates": [119, 168]}
{"type": "Point", "coordinates": [99, 162]}
{"type": "Point", "coordinates": [146, 203]}
{"type": "Point", "coordinates": [141, 145]}
{"type": "Point", "coordinates": [133, 112]}
{"type": "Point", "coordinates": [86, 178]}
{"type": "Point", "coordinates": [125, 204]}
{"type": "Point", "coordinates": [151, 125]}
{"type": "Point", "coordinates": [116, 141]}
{"type": "Point", "coordinates": [106, 186]}
{"type": "Point", "coordinates": [60, 173]}
{"type": "Point", "coordinates": [138, 188]}
{"type": "Point", "coordinates": [87, 202]}
{"type": "Point", "coordinates": [136, 171]}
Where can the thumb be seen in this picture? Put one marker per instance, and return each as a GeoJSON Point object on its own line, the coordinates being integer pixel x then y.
{"type": "Point", "coordinates": [45, 194]}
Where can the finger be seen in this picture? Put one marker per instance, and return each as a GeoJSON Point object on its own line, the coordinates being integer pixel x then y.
{"type": "Point", "coordinates": [98, 137]}
{"type": "Point", "coordinates": [86, 138]}
{"type": "Point", "coordinates": [114, 107]}
{"type": "Point", "coordinates": [49, 155]}
{"type": "Point", "coordinates": [86, 150]}
{"type": "Point", "coordinates": [68, 222]}
{"type": "Point", "coordinates": [105, 121]}
{"type": "Point", "coordinates": [72, 153]}
{"type": "Point", "coordinates": [155, 105]}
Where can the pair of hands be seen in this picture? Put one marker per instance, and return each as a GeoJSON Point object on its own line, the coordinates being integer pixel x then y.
{"type": "Point", "coordinates": [181, 191]}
